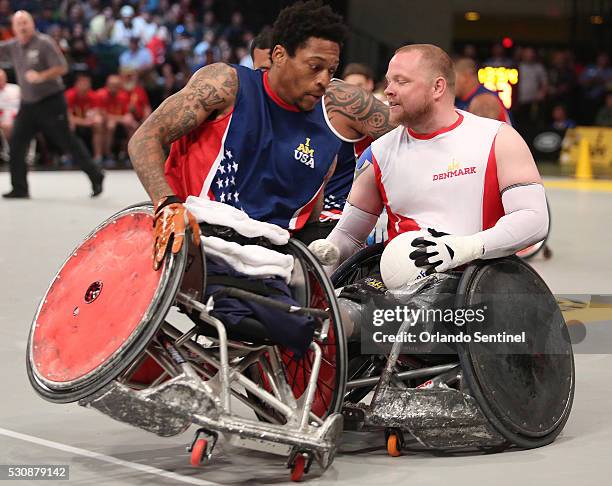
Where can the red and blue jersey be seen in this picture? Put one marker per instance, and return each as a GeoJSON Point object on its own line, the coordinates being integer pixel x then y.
{"type": "Point", "coordinates": [464, 103]}
{"type": "Point", "coordinates": [265, 157]}
{"type": "Point", "coordinates": [339, 186]}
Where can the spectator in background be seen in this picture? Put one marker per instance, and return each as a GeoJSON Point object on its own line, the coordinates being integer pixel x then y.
{"type": "Point", "coordinates": [192, 28]}
{"type": "Point", "coordinates": [5, 19]}
{"type": "Point", "coordinates": [91, 8]}
{"type": "Point", "coordinates": [10, 97]}
{"type": "Point", "coordinates": [209, 24]}
{"type": "Point", "coordinates": [182, 40]}
{"type": "Point", "coordinates": [40, 66]}
{"type": "Point", "coordinates": [560, 120]}
{"type": "Point", "coordinates": [561, 79]}
{"type": "Point", "coordinates": [114, 107]}
{"type": "Point", "coordinates": [472, 96]}
{"type": "Point", "coordinates": [595, 79]}
{"type": "Point", "coordinates": [532, 89]}
{"type": "Point", "coordinates": [604, 114]}
{"type": "Point", "coordinates": [469, 51]}
{"type": "Point", "coordinates": [149, 27]}
{"type": "Point", "coordinates": [243, 57]}
{"type": "Point", "coordinates": [200, 50]}
{"type": "Point", "coordinates": [76, 14]}
{"type": "Point", "coordinates": [84, 116]}
{"type": "Point", "coordinates": [498, 57]}
{"type": "Point", "coordinates": [360, 75]}
{"type": "Point", "coordinates": [46, 19]}
{"type": "Point", "coordinates": [123, 29]}
{"type": "Point", "coordinates": [101, 27]}
{"type": "Point", "coordinates": [234, 32]}
{"type": "Point", "coordinates": [57, 34]}
{"type": "Point", "coordinates": [260, 49]}
{"type": "Point", "coordinates": [136, 57]}
{"type": "Point", "coordinates": [138, 105]}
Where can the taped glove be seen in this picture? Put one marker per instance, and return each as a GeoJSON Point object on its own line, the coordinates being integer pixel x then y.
{"type": "Point", "coordinates": [441, 252]}
{"type": "Point", "coordinates": [326, 252]}
{"type": "Point", "coordinates": [171, 218]}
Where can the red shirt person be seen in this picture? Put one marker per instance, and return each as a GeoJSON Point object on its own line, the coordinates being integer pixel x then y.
{"type": "Point", "coordinates": [114, 104]}
{"type": "Point", "coordinates": [84, 115]}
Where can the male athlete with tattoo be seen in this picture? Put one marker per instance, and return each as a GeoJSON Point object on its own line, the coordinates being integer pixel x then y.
{"type": "Point", "coordinates": [264, 142]}
{"type": "Point", "coordinates": [470, 181]}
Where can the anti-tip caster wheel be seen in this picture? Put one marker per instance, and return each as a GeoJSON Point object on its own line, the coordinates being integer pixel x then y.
{"type": "Point", "coordinates": [198, 452]}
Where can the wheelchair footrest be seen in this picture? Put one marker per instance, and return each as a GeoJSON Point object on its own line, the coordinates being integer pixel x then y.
{"type": "Point", "coordinates": [322, 441]}
{"type": "Point", "coordinates": [437, 418]}
{"type": "Point", "coordinates": [164, 410]}
{"type": "Point", "coordinates": [170, 408]}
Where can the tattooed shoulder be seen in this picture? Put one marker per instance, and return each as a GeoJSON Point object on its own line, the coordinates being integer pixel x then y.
{"type": "Point", "coordinates": [211, 89]}
{"type": "Point", "coordinates": [353, 107]}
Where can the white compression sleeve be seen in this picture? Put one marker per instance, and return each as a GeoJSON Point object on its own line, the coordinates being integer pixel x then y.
{"type": "Point", "coordinates": [350, 233]}
{"type": "Point", "coordinates": [525, 222]}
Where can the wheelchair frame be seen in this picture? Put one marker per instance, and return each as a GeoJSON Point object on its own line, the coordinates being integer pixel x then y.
{"type": "Point", "coordinates": [200, 376]}
{"type": "Point", "coordinates": [442, 406]}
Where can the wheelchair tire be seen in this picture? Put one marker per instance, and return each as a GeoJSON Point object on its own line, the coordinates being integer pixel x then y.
{"type": "Point", "coordinates": [527, 397]}
{"type": "Point", "coordinates": [317, 293]}
{"type": "Point", "coordinates": [79, 342]}
{"type": "Point", "coordinates": [360, 265]}
{"type": "Point", "coordinates": [332, 375]}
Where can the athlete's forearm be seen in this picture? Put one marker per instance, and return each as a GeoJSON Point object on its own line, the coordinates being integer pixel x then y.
{"type": "Point", "coordinates": [148, 157]}
{"type": "Point", "coordinates": [212, 88]}
{"type": "Point", "coordinates": [525, 223]}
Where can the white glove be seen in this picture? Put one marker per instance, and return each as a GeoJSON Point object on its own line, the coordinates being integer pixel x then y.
{"type": "Point", "coordinates": [441, 252]}
{"type": "Point", "coordinates": [326, 252]}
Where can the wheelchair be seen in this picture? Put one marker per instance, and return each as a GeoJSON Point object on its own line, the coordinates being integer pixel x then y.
{"type": "Point", "coordinates": [477, 396]}
{"type": "Point", "coordinates": [104, 336]}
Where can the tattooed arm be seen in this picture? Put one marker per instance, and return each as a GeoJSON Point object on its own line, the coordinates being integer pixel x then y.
{"type": "Point", "coordinates": [210, 92]}
{"type": "Point", "coordinates": [354, 113]}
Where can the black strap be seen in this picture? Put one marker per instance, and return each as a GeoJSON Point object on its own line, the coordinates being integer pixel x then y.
{"type": "Point", "coordinates": [229, 234]}
{"type": "Point", "coordinates": [166, 201]}
{"type": "Point", "coordinates": [254, 286]}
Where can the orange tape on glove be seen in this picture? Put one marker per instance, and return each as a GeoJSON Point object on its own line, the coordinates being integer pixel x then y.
{"type": "Point", "coordinates": [169, 223]}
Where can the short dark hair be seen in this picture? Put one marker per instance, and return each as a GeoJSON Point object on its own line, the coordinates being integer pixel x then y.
{"type": "Point", "coordinates": [358, 68]}
{"type": "Point", "coordinates": [263, 40]}
{"type": "Point", "coordinates": [297, 23]}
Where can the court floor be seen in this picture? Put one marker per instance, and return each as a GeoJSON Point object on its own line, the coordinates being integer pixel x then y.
{"type": "Point", "coordinates": [37, 234]}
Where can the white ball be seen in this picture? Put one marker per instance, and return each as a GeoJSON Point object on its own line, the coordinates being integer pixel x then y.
{"type": "Point", "coordinates": [396, 267]}
{"type": "Point", "coordinates": [325, 251]}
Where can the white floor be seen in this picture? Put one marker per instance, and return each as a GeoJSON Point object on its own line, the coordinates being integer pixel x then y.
{"type": "Point", "coordinates": [37, 234]}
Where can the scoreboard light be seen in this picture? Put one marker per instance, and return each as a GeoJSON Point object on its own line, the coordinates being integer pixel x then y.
{"type": "Point", "coordinates": [499, 79]}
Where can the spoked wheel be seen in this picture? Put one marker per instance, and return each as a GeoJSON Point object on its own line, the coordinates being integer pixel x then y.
{"type": "Point", "coordinates": [331, 382]}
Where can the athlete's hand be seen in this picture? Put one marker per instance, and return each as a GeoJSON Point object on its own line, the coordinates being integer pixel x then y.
{"type": "Point", "coordinates": [441, 252]}
{"type": "Point", "coordinates": [171, 219]}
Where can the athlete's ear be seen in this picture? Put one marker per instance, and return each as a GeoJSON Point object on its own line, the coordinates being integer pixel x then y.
{"type": "Point", "coordinates": [439, 87]}
{"type": "Point", "coordinates": [279, 55]}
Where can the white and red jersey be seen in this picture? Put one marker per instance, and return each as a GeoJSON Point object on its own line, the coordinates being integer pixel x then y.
{"type": "Point", "coordinates": [445, 180]}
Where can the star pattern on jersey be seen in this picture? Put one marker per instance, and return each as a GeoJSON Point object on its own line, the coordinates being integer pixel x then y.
{"type": "Point", "coordinates": [223, 184]}
{"type": "Point", "coordinates": [330, 202]}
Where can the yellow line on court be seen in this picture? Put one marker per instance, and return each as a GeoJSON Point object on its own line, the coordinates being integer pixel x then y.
{"type": "Point", "coordinates": [594, 185]}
